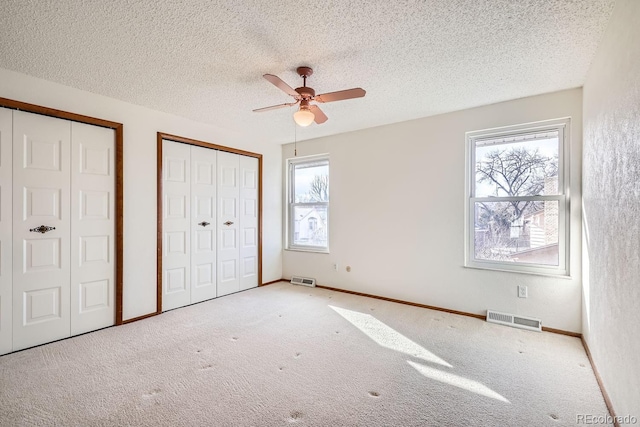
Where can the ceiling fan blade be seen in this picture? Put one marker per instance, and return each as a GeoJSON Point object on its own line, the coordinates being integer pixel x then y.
{"type": "Point", "coordinates": [274, 107]}
{"type": "Point", "coordinates": [340, 95]}
{"type": "Point", "coordinates": [280, 84]}
{"type": "Point", "coordinates": [320, 116]}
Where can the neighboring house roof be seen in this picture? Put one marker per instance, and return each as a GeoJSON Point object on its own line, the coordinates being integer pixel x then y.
{"type": "Point", "coordinates": [308, 211]}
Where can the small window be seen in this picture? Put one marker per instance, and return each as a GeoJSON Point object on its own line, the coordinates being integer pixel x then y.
{"type": "Point", "coordinates": [517, 198]}
{"type": "Point", "coordinates": [308, 225]}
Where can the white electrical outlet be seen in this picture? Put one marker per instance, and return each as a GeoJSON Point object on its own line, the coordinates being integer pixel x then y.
{"type": "Point", "coordinates": [335, 266]}
{"type": "Point", "coordinates": [522, 291]}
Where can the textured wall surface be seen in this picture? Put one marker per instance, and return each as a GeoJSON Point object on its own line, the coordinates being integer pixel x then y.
{"type": "Point", "coordinates": [611, 191]}
{"type": "Point", "coordinates": [397, 215]}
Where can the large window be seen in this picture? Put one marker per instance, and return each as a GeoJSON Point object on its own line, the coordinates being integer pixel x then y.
{"type": "Point", "coordinates": [517, 216]}
{"type": "Point", "coordinates": [308, 224]}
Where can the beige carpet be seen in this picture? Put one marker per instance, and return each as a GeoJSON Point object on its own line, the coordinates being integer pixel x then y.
{"type": "Point", "coordinates": [284, 354]}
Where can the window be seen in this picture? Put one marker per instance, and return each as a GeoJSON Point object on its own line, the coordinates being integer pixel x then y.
{"type": "Point", "coordinates": [517, 216]}
{"type": "Point", "coordinates": [308, 226]}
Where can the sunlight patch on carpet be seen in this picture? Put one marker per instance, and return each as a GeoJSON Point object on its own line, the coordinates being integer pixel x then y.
{"type": "Point", "coordinates": [387, 337]}
{"type": "Point", "coordinates": [457, 381]}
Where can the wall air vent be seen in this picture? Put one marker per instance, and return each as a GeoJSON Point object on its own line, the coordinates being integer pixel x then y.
{"type": "Point", "coordinates": [516, 321]}
{"type": "Point", "coordinates": [305, 281]}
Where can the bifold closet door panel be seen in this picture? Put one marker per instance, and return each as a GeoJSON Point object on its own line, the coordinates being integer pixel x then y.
{"type": "Point", "coordinates": [228, 223]}
{"type": "Point", "coordinates": [176, 225]}
{"type": "Point", "coordinates": [92, 228]}
{"type": "Point", "coordinates": [209, 223]}
{"type": "Point", "coordinates": [248, 222]}
{"type": "Point", "coordinates": [6, 286]}
{"type": "Point", "coordinates": [41, 229]}
{"type": "Point", "coordinates": [203, 223]}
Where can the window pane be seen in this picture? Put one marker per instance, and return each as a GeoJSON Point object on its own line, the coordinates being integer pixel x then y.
{"type": "Point", "coordinates": [523, 232]}
{"type": "Point", "coordinates": [522, 165]}
{"type": "Point", "coordinates": [311, 182]}
{"type": "Point", "coordinates": [310, 225]}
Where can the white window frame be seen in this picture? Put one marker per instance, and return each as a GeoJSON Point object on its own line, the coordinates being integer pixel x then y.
{"type": "Point", "coordinates": [563, 127]}
{"type": "Point", "coordinates": [291, 204]}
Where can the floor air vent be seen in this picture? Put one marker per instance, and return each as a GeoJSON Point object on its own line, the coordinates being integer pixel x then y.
{"type": "Point", "coordinates": [515, 321]}
{"type": "Point", "coordinates": [303, 281]}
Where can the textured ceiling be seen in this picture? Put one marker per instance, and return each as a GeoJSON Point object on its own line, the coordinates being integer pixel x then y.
{"type": "Point", "coordinates": [204, 59]}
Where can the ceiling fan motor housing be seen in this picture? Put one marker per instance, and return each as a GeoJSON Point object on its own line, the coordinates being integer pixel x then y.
{"type": "Point", "coordinates": [306, 92]}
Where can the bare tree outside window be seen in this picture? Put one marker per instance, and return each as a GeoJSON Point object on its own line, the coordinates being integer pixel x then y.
{"type": "Point", "coordinates": [319, 188]}
{"type": "Point", "coordinates": [511, 172]}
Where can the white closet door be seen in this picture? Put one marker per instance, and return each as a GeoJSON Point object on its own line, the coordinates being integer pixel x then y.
{"type": "Point", "coordinates": [248, 222]}
{"type": "Point", "coordinates": [203, 224]}
{"type": "Point", "coordinates": [41, 267]}
{"type": "Point", "coordinates": [93, 227]}
{"type": "Point", "coordinates": [228, 223]}
{"type": "Point", "coordinates": [176, 225]}
{"type": "Point", "coordinates": [6, 301]}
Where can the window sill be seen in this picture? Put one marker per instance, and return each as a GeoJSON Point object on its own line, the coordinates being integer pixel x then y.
{"type": "Point", "coordinates": [312, 250]}
{"type": "Point", "coordinates": [532, 271]}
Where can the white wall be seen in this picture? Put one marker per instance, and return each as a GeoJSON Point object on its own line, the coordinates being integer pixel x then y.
{"type": "Point", "coordinates": [611, 180]}
{"type": "Point", "coordinates": [397, 215]}
{"type": "Point", "coordinates": [140, 127]}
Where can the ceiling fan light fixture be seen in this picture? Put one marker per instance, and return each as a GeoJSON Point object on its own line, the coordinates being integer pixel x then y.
{"type": "Point", "coordinates": [303, 117]}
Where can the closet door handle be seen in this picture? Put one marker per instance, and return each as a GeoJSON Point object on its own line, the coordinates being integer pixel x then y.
{"type": "Point", "coordinates": [42, 229]}
{"type": "Point", "coordinates": [228, 223]}
{"type": "Point", "coordinates": [203, 223]}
